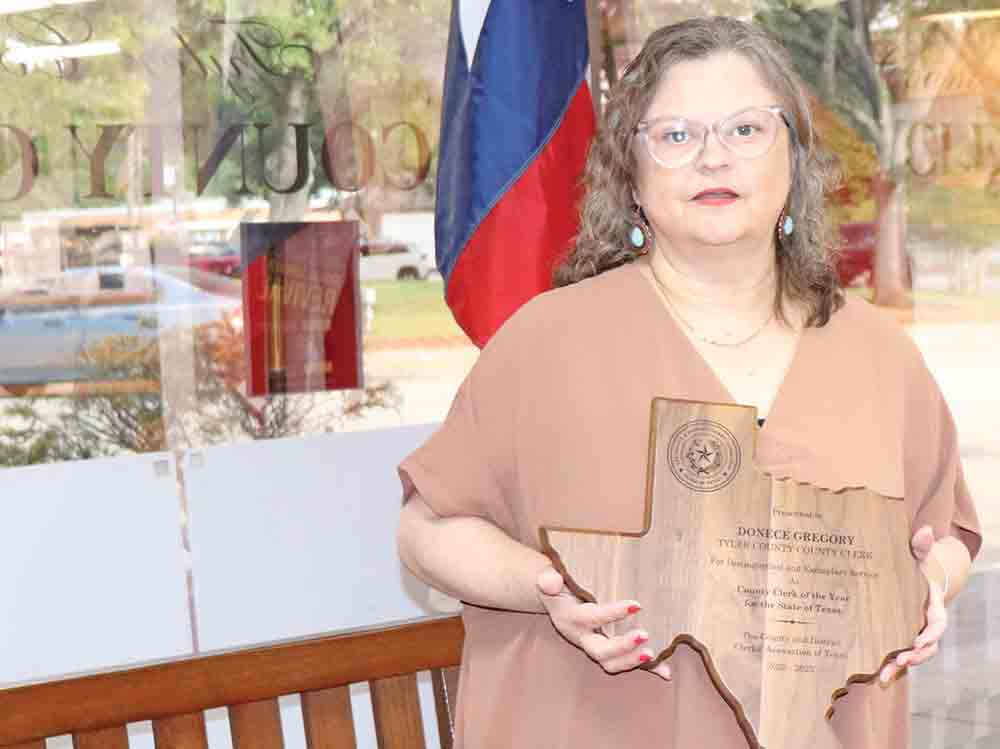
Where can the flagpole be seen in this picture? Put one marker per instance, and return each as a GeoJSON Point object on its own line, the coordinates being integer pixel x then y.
{"type": "Point", "coordinates": [596, 45]}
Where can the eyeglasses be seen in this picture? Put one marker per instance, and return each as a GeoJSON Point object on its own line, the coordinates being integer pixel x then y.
{"type": "Point", "coordinates": [673, 142]}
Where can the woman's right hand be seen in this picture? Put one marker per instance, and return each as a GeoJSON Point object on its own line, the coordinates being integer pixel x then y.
{"type": "Point", "coordinates": [581, 624]}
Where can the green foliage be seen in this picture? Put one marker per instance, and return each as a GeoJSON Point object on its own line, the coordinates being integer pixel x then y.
{"type": "Point", "coordinates": [834, 58]}
{"type": "Point", "coordinates": [26, 438]}
{"type": "Point", "coordinates": [47, 98]}
{"type": "Point", "coordinates": [412, 309]}
{"type": "Point", "coordinates": [373, 64]}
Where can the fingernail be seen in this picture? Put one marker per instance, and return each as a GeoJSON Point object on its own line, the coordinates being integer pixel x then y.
{"type": "Point", "coordinates": [645, 658]}
{"type": "Point", "coordinates": [640, 638]}
{"type": "Point", "coordinates": [884, 676]}
{"type": "Point", "coordinates": [901, 659]}
{"type": "Point", "coordinates": [634, 608]}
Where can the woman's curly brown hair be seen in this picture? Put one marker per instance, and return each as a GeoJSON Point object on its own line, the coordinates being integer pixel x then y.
{"type": "Point", "coordinates": [806, 271]}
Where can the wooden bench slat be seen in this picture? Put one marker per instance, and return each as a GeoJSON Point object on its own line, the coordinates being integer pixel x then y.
{"type": "Point", "coordinates": [396, 706]}
{"type": "Point", "coordinates": [199, 683]}
{"type": "Point", "coordinates": [38, 744]}
{"type": "Point", "coordinates": [445, 682]}
{"type": "Point", "coordinates": [256, 725]}
{"type": "Point", "coordinates": [181, 732]}
{"type": "Point", "coordinates": [328, 719]}
{"type": "Point", "coordinates": [115, 737]}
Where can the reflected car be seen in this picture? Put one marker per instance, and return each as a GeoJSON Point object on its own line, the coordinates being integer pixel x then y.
{"type": "Point", "coordinates": [215, 257]}
{"type": "Point", "coordinates": [856, 260]}
{"type": "Point", "coordinates": [44, 327]}
{"type": "Point", "coordinates": [388, 260]}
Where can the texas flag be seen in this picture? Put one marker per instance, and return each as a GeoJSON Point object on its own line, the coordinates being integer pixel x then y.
{"type": "Point", "coordinates": [516, 124]}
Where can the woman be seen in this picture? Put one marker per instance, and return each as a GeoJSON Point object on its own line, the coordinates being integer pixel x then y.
{"type": "Point", "coordinates": [701, 272]}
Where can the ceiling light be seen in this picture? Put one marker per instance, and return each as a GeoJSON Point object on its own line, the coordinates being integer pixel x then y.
{"type": "Point", "coordinates": [26, 6]}
{"type": "Point", "coordinates": [27, 55]}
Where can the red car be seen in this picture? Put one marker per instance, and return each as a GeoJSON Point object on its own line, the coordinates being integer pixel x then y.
{"type": "Point", "coordinates": [215, 257]}
{"type": "Point", "coordinates": [856, 262]}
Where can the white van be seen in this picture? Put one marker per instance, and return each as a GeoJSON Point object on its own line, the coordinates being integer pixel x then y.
{"type": "Point", "coordinates": [391, 260]}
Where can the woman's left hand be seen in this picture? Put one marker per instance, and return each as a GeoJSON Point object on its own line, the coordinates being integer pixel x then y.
{"type": "Point", "coordinates": [925, 646]}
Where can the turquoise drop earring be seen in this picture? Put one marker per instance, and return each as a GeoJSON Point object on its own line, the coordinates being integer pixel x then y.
{"type": "Point", "coordinates": [787, 224]}
{"type": "Point", "coordinates": [637, 237]}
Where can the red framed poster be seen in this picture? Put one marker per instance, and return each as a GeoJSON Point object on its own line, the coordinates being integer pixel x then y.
{"type": "Point", "coordinates": [302, 306]}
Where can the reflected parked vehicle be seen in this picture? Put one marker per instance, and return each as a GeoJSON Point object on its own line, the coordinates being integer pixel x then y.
{"type": "Point", "coordinates": [46, 326]}
{"type": "Point", "coordinates": [387, 260]}
{"type": "Point", "coordinates": [856, 261]}
{"type": "Point", "coordinates": [215, 257]}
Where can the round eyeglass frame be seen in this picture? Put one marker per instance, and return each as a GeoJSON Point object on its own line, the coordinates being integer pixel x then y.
{"type": "Point", "coordinates": [643, 126]}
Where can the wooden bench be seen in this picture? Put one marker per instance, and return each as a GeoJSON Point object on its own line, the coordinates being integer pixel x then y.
{"type": "Point", "coordinates": [173, 694]}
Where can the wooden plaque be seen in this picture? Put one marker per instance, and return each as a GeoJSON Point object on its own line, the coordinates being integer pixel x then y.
{"type": "Point", "coordinates": [789, 592]}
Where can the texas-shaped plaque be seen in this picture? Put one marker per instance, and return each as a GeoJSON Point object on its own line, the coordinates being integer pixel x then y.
{"type": "Point", "coordinates": [789, 592]}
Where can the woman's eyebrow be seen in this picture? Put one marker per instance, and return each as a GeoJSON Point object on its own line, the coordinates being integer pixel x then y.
{"type": "Point", "coordinates": [658, 117]}
{"type": "Point", "coordinates": [698, 119]}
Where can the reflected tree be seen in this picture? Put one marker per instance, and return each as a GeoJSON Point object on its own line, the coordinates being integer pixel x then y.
{"type": "Point", "coordinates": [289, 71]}
{"type": "Point", "coordinates": [323, 83]}
{"type": "Point", "coordinates": [835, 53]}
{"type": "Point", "coordinates": [125, 414]}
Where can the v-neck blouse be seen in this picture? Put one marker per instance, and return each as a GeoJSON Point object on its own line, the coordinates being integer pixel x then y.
{"type": "Point", "coordinates": [645, 270]}
{"type": "Point", "coordinates": [551, 427]}
{"type": "Point", "coordinates": [791, 445]}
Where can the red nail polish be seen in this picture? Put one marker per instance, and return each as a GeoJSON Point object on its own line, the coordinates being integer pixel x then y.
{"type": "Point", "coordinates": [639, 639]}
{"type": "Point", "coordinates": [645, 658]}
{"type": "Point", "coordinates": [634, 609]}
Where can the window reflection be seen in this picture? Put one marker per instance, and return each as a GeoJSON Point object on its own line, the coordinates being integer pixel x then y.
{"type": "Point", "coordinates": [136, 141]}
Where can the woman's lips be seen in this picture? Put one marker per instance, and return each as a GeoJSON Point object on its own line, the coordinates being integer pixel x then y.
{"type": "Point", "coordinates": [716, 196]}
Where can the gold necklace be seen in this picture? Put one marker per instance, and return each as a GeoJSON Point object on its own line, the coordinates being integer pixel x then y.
{"type": "Point", "coordinates": [704, 339]}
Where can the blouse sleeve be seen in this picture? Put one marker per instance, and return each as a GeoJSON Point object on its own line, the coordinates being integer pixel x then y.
{"type": "Point", "coordinates": [933, 469]}
{"type": "Point", "coordinates": [467, 467]}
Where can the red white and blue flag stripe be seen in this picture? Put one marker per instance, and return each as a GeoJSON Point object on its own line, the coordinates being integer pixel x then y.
{"type": "Point", "coordinates": [517, 121]}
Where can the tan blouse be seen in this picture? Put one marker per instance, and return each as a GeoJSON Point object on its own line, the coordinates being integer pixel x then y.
{"type": "Point", "coordinates": [551, 428]}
